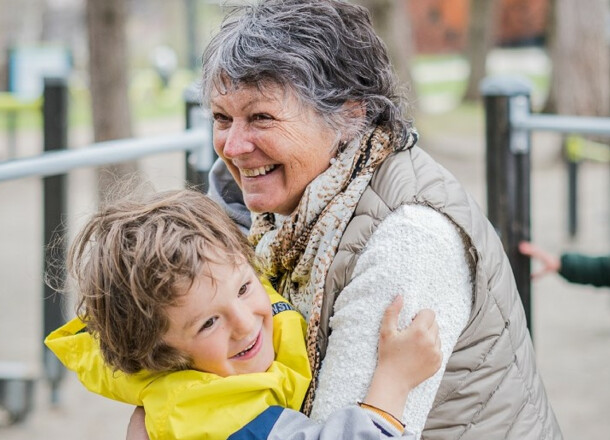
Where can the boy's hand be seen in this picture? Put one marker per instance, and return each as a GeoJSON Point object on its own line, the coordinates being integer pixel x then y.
{"type": "Point", "coordinates": [136, 430]}
{"type": "Point", "coordinates": [412, 354]}
{"type": "Point", "coordinates": [406, 358]}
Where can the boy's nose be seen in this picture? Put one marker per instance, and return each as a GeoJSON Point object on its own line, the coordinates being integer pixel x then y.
{"type": "Point", "coordinates": [243, 323]}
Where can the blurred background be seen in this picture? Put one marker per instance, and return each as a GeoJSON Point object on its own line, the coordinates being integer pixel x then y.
{"type": "Point", "coordinates": [127, 64]}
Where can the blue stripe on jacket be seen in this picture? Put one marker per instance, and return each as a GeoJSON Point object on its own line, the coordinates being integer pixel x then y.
{"type": "Point", "coordinates": [260, 427]}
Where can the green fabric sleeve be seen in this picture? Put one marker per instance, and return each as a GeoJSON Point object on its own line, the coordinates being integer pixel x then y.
{"type": "Point", "coordinates": [584, 269]}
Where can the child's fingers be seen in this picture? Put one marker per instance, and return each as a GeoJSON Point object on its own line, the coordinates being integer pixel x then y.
{"type": "Point", "coordinates": [526, 248]}
{"type": "Point", "coordinates": [425, 318]}
{"type": "Point", "coordinates": [433, 329]}
{"type": "Point", "coordinates": [390, 317]}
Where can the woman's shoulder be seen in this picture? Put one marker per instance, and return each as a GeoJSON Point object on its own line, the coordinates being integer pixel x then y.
{"type": "Point", "coordinates": [413, 176]}
{"type": "Point", "coordinates": [419, 223]}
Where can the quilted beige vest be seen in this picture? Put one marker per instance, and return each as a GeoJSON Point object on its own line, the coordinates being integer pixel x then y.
{"type": "Point", "coordinates": [491, 388]}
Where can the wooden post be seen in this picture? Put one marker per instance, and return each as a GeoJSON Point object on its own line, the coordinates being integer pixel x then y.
{"type": "Point", "coordinates": [508, 174]}
{"type": "Point", "coordinates": [55, 121]}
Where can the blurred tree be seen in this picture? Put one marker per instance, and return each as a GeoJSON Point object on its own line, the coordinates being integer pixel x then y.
{"type": "Point", "coordinates": [20, 23]}
{"type": "Point", "coordinates": [392, 22]}
{"type": "Point", "coordinates": [483, 18]}
{"type": "Point", "coordinates": [549, 39]}
{"type": "Point", "coordinates": [106, 25]}
{"type": "Point", "coordinates": [580, 82]}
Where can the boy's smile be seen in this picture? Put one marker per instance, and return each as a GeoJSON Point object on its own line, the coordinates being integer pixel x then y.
{"type": "Point", "coordinates": [224, 324]}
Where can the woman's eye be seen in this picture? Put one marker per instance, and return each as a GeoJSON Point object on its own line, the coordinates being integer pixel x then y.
{"type": "Point", "coordinates": [262, 117]}
{"type": "Point", "coordinates": [243, 289]}
{"type": "Point", "coordinates": [209, 323]}
{"type": "Point", "coordinates": [221, 119]}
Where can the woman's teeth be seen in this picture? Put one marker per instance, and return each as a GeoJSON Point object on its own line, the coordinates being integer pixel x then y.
{"type": "Point", "coordinates": [260, 171]}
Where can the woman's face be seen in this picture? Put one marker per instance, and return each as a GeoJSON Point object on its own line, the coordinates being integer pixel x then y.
{"type": "Point", "coordinates": [273, 145]}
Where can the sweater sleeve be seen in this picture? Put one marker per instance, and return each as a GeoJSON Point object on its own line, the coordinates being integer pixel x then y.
{"type": "Point", "coordinates": [350, 423]}
{"type": "Point", "coordinates": [418, 253]}
{"type": "Point", "coordinates": [584, 269]}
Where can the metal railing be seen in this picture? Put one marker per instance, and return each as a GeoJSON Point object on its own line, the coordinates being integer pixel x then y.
{"type": "Point", "coordinates": [509, 124]}
{"type": "Point", "coordinates": [51, 166]}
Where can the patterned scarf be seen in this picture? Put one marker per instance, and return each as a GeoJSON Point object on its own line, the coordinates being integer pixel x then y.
{"type": "Point", "coordinates": [296, 251]}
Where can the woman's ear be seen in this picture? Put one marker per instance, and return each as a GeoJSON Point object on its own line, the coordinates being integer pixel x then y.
{"type": "Point", "coordinates": [354, 113]}
{"type": "Point", "coordinates": [354, 110]}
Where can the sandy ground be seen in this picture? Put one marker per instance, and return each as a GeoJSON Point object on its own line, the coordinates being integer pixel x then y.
{"type": "Point", "coordinates": [571, 323]}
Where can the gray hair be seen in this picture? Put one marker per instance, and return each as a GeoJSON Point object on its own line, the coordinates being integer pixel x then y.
{"type": "Point", "coordinates": [325, 51]}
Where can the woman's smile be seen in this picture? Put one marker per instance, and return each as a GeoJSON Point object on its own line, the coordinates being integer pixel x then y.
{"type": "Point", "coordinates": [256, 172]}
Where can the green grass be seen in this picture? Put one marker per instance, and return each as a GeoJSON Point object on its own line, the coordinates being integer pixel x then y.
{"type": "Point", "coordinates": [456, 88]}
{"type": "Point", "coordinates": [148, 99]}
{"type": "Point", "coordinates": [467, 119]}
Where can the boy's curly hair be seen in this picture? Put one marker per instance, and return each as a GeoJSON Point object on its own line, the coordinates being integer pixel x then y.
{"type": "Point", "coordinates": [128, 261]}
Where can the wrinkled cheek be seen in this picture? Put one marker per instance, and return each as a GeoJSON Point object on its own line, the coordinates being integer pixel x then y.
{"type": "Point", "coordinates": [218, 141]}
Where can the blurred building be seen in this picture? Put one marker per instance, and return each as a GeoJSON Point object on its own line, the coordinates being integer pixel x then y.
{"type": "Point", "coordinates": [441, 25]}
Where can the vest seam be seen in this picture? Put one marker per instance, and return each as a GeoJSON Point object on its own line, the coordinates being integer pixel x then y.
{"type": "Point", "coordinates": [478, 366]}
{"type": "Point", "coordinates": [511, 426]}
{"type": "Point", "coordinates": [530, 394]}
{"type": "Point", "coordinates": [484, 404]}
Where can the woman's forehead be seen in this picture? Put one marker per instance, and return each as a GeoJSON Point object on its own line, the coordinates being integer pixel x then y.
{"type": "Point", "coordinates": [260, 92]}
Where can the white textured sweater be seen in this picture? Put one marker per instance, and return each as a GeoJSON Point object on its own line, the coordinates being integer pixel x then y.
{"type": "Point", "coordinates": [418, 253]}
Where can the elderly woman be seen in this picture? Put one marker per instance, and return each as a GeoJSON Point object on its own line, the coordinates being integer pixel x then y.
{"type": "Point", "coordinates": [348, 211]}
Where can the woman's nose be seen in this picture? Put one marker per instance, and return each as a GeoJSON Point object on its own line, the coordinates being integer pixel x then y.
{"type": "Point", "coordinates": [237, 142]}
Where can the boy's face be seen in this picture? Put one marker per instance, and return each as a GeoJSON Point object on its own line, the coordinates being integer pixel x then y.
{"type": "Point", "coordinates": [225, 327]}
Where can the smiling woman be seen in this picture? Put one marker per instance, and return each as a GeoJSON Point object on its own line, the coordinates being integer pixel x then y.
{"type": "Point", "coordinates": [267, 142]}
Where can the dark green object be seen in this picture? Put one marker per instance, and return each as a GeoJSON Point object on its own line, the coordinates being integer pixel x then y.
{"type": "Point", "coordinates": [584, 269]}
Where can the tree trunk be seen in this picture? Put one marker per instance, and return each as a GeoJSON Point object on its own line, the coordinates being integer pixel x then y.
{"type": "Point", "coordinates": [550, 106]}
{"type": "Point", "coordinates": [393, 25]}
{"type": "Point", "coordinates": [581, 66]}
{"type": "Point", "coordinates": [481, 36]}
{"type": "Point", "coordinates": [106, 25]}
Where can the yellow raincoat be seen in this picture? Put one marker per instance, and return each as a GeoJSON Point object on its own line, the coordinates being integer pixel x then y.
{"type": "Point", "coordinates": [192, 404]}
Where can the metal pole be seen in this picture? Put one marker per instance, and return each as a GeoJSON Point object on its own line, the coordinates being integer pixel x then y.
{"type": "Point", "coordinates": [508, 174]}
{"type": "Point", "coordinates": [102, 153]}
{"type": "Point", "coordinates": [572, 166]}
{"type": "Point", "coordinates": [199, 163]}
{"type": "Point", "coordinates": [55, 121]}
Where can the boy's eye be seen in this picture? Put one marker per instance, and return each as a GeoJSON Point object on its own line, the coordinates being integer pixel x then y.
{"type": "Point", "coordinates": [243, 289]}
{"type": "Point", "coordinates": [209, 323]}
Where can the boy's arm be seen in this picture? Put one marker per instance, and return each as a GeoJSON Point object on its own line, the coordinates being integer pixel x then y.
{"type": "Point", "coordinates": [80, 352]}
{"type": "Point", "coordinates": [406, 358]}
{"type": "Point", "coordinates": [350, 423]}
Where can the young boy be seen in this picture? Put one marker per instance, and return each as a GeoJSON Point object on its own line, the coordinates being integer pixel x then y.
{"type": "Point", "coordinates": [185, 328]}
